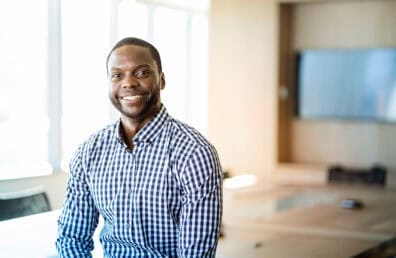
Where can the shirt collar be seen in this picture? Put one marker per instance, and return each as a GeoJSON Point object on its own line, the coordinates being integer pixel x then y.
{"type": "Point", "coordinates": [149, 131]}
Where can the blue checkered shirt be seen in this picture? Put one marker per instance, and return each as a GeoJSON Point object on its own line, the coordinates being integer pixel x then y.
{"type": "Point", "coordinates": [163, 199]}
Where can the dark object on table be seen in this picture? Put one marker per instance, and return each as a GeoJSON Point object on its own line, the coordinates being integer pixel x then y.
{"type": "Point", "coordinates": [372, 176]}
{"type": "Point", "coordinates": [353, 204]}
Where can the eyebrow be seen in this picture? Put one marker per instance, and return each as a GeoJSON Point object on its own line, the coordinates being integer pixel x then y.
{"type": "Point", "coordinates": [135, 68]}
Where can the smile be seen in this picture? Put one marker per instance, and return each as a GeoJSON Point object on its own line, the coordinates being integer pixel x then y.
{"type": "Point", "coordinates": [132, 98]}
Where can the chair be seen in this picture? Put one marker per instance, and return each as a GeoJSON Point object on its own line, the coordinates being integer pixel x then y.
{"type": "Point", "coordinates": [371, 176]}
{"type": "Point", "coordinates": [23, 203]}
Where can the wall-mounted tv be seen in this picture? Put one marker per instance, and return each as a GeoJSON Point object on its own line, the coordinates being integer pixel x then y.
{"type": "Point", "coordinates": [347, 84]}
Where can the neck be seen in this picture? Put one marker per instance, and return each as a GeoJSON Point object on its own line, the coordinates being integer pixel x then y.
{"type": "Point", "coordinates": [131, 126]}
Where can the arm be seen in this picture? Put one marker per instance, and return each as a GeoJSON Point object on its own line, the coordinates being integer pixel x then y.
{"type": "Point", "coordinates": [201, 211]}
{"type": "Point", "coordinates": [79, 216]}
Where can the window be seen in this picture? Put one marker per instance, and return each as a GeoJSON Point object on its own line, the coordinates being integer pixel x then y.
{"type": "Point", "coordinates": [24, 122]}
{"type": "Point", "coordinates": [85, 44]}
{"type": "Point", "coordinates": [54, 85]}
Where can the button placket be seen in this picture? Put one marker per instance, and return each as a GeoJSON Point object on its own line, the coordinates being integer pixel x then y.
{"type": "Point", "coordinates": [132, 178]}
{"type": "Point", "coordinates": [130, 191]}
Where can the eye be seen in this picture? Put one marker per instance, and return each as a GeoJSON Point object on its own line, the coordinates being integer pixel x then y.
{"type": "Point", "coordinates": [143, 73]}
{"type": "Point", "coordinates": [115, 76]}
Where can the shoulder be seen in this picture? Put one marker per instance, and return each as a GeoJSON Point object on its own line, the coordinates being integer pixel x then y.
{"type": "Point", "coordinates": [198, 168]}
{"type": "Point", "coordinates": [95, 142]}
{"type": "Point", "coordinates": [183, 134]}
{"type": "Point", "coordinates": [188, 145]}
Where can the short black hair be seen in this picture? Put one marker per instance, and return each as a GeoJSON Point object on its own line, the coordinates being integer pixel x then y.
{"type": "Point", "coordinates": [137, 42]}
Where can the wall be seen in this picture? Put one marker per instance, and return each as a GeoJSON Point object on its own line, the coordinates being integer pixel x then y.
{"type": "Point", "coordinates": [344, 24]}
{"type": "Point", "coordinates": [242, 80]}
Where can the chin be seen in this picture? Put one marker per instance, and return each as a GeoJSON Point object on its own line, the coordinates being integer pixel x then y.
{"type": "Point", "coordinates": [132, 114]}
{"type": "Point", "coordinates": [140, 113]}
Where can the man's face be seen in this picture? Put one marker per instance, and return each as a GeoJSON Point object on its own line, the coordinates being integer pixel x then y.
{"type": "Point", "coordinates": [135, 82]}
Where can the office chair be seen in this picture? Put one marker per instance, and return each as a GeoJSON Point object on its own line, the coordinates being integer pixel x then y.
{"type": "Point", "coordinates": [375, 175]}
{"type": "Point", "coordinates": [19, 204]}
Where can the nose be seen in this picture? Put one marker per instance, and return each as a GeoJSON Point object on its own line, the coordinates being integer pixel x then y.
{"type": "Point", "coordinates": [129, 82]}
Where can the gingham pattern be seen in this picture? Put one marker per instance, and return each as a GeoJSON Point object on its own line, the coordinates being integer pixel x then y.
{"type": "Point", "coordinates": [163, 199]}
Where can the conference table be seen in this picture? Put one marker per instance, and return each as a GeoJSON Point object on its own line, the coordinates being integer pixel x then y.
{"type": "Point", "coordinates": [308, 221]}
{"type": "Point", "coordinates": [279, 221]}
{"type": "Point", "coordinates": [34, 236]}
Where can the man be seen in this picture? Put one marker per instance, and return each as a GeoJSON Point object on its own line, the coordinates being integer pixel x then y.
{"type": "Point", "coordinates": [155, 181]}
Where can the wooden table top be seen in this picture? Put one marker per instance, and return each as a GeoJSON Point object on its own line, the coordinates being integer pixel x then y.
{"type": "Point", "coordinates": [306, 221]}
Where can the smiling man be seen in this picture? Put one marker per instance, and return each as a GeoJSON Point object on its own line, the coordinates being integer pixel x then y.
{"type": "Point", "coordinates": [155, 181]}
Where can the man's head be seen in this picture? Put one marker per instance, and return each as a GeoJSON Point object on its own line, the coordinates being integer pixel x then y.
{"type": "Point", "coordinates": [135, 79]}
{"type": "Point", "coordinates": [137, 42]}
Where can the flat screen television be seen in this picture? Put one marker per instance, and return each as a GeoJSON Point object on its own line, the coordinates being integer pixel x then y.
{"type": "Point", "coordinates": [355, 84]}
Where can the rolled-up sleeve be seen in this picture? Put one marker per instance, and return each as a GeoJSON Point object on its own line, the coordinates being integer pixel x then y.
{"type": "Point", "coordinates": [79, 217]}
{"type": "Point", "coordinates": [201, 211]}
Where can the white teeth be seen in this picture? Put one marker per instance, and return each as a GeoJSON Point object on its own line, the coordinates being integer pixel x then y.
{"type": "Point", "coordinates": [132, 97]}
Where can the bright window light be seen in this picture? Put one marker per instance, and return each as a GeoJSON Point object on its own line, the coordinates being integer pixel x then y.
{"type": "Point", "coordinates": [190, 5]}
{"type": "Point", "coordinates": [24, 120]}
{"type": "Point", "coordinates": [85, 44]}
{"type": "Point", "coordinates": [240, 181]}
{"type": "Point", "coordinates": [54, 83]}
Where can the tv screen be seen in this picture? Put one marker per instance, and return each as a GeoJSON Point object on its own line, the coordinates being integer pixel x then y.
{"type": "Point", "coordinates": [347, 84]}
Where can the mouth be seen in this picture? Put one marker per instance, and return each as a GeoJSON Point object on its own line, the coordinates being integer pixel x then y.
{"type": "Point", "coordinates": [132, 98]}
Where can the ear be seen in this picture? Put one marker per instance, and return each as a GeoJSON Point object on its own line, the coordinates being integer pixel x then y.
{"type": "Point", "coordinates": [162, 80]}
